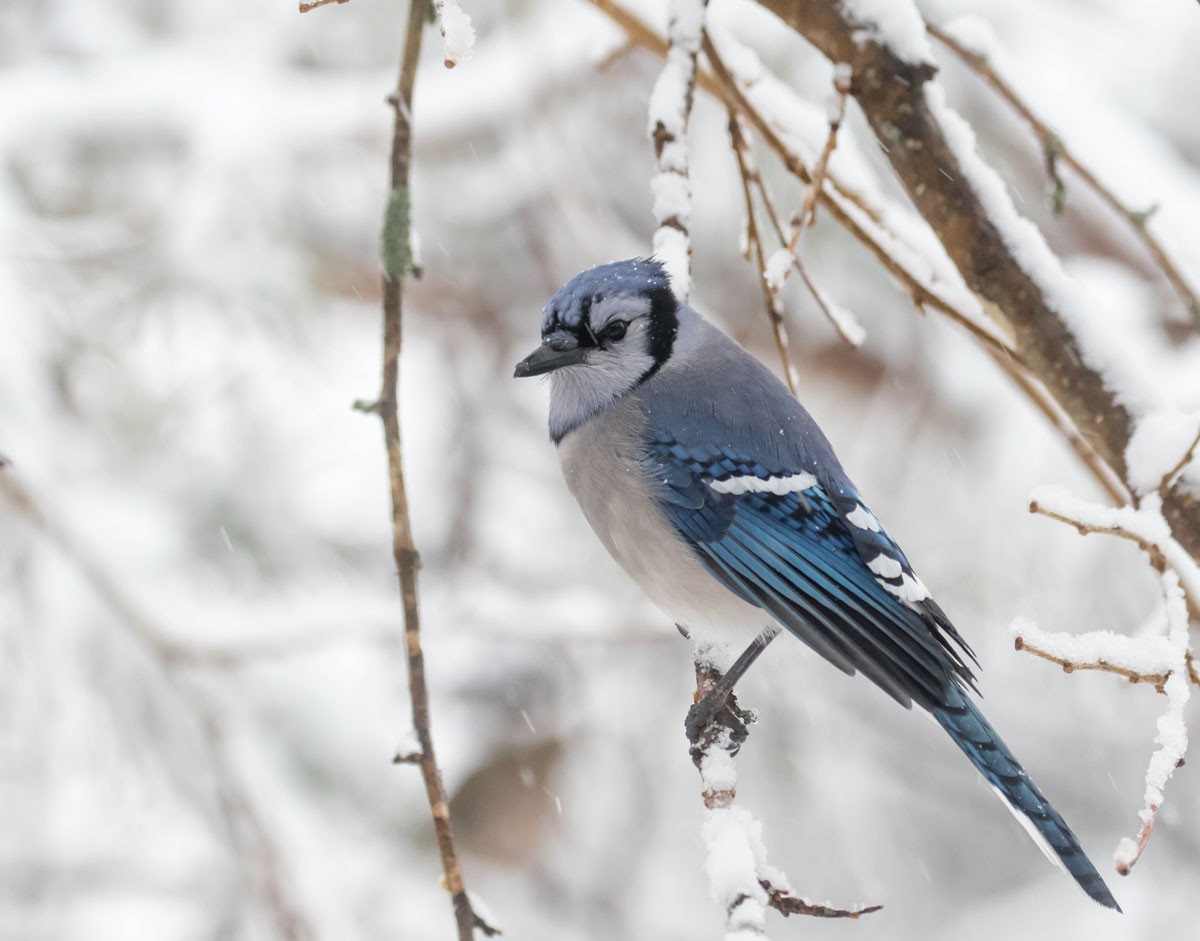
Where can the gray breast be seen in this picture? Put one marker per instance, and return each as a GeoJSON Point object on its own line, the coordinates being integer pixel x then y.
{"type": "Point", "coordinates": [603, 469]}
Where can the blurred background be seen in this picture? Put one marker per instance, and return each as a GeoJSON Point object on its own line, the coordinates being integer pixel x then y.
{"type": "Point", "coordinates": [201, 676]}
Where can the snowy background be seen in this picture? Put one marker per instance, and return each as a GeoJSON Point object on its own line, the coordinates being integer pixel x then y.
{"type": "Point", "coordinates": [190, 196]}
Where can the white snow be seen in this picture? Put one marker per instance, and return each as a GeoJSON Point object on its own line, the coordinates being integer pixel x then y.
{"type": "Point", "coordinates": [1145, 655]}
{"type": "Point", "coordinates": [896, 24]}
{"type": "Point", "coordinates": [779, 265]}
{"type": "Point", "coordinates": [1146, 523]}
{"type": "Point", "coordinates": [672, 194]}
{"type": "Point", "coordinates": [1101, 347]}
{"type": "Point", "coordinates": [667, 114]}
{"type": "Point", "coordinates": [733, 843]}
{"type": "Point", "coordinates": [458, 35]}
{"type": "Point", "coordinates": [1159, 441]}
{"type": "Point", "coordinates": [843, 320]}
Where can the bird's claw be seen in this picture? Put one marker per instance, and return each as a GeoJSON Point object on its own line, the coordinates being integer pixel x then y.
{"type": "Point", "coordinates": [716, 713]}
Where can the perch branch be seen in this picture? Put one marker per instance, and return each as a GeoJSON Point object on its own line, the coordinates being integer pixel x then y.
{"type": "Point", "coordinates": [1056, 150]}
{"type": "Point", "coordinates": [397, 259]}
{"type": "Point", "coordinates": [740, 878]}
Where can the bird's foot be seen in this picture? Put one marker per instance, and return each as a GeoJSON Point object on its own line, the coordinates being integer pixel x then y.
{"type": "Point", "coordinates": [716, 711]}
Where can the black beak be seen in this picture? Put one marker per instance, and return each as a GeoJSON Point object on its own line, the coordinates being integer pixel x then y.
{"type": "Point", "coordinates": [547, 359]}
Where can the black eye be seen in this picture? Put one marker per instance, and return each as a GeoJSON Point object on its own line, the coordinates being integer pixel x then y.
{"type": "Point", "coordinates": [614, 331]}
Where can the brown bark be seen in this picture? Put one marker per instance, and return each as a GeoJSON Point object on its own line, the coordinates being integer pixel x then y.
{"type": "Point", "coordinates": [891, 94]}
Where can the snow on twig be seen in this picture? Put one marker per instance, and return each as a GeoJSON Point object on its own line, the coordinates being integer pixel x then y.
{"type": "Point", "coordinates": [1164, 661]}
{"type": "Point", "coordinates": [1143, 525]}
{"type": "Point", "coordinates": [740, 878]}
{"type": "Point", "coordinates": [972, 40]}
{"type": "Point", "coordinates": [1172, 738]}
{"type": "Point", "coordinates": [896, 24]}
{"type": "Point", "coordinates": [458, 35]}
{"type": "Point", "coordinates": [669, 111]}
{"type": "Point", "coordinates": [1162, 439]}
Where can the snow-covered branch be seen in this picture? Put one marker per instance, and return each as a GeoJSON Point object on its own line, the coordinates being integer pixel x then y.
{"type": "Point", "coordinates": [740, 878]}
{"type": "Point", "coordinates": [669, 111]}
{"type": "Point", "coordinates": [1163, 660]}
{"type": "Point", "coordinates": [1001, 257]}
{"type": "Point", "coordinates": [973, 43]}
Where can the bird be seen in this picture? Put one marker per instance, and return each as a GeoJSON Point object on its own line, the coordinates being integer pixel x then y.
{"type": "Point", "coordinates": [715, 490]}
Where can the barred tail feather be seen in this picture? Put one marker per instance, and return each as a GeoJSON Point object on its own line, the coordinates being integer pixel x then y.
{"type": "Point", "coordinates": [987, 751]}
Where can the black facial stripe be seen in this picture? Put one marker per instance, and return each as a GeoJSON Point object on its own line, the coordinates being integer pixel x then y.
{"type": "Point", "coordinates": [664, 325]}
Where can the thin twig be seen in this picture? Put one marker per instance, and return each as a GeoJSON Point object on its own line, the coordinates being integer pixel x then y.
{"type": "Point", "coordinates": [722, 85]}
{"type": "Point", "coordinates": [1125, 865]}
{"type": "Point", "coordinates": [307, 5]}
{"type": "Point", "coordinates": [748, 172]}
{"type": "Point", "coordinates": [923, 295]}
{"type": "Point", "coordinates": [1070, 666]}
{"type": "Point", "coordinates": [1184, 461]}
{"type": "Point", "coordinates": [787, 904]}
{"type": "Point", "coordinates": [1157, 559]}
{"type": "Point", "coordinates": [1045, 403]}
{"type": "Point", "coordinates": [396, 264]}
{"type": "Point", "coordinates": [1055, 150]}
{"type": "Point", "coordinates": [807, 216]}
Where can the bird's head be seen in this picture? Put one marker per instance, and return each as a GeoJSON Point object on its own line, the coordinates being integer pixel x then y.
{"type": "Point", "coordinates": [608, 328]}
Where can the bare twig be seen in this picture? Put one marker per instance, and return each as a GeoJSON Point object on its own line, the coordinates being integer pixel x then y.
{"type": "Point", "coordinates": [1056, 150]}
{"type": "Point", "coordinates": [1124, 865]}
{"type": "Point", "coordinates": [397, 258]}
{"type": "Point", "coordinates": [1168, 478]}
{"type": "Point", "coordinates": [749, 173]}
{"type": "Point", "coordinates": [1070, 666]}
{"type": "Point", "coordinates": [787, 904]}
{"type": "Point", "coordinates": [307, 5]}
{"type": "Point", "coordinates": [807, 216]}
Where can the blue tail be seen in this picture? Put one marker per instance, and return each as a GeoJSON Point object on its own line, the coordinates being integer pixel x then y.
{"type": "Point", "coordinates": [987, 751]}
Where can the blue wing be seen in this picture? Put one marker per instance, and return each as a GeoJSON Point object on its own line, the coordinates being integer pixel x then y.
{"type": "Point", "coordinates": [809, 553]}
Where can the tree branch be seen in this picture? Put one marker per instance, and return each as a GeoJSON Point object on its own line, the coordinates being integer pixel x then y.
{"type": "Point", "coordinates": [397, 259]}
{"type": "Point", "coordinates": [891, 93]}
{"type": "Point", "coordinates": [1055, 149]}
{"type": "Point", "coordinates": [748, 173]}
{"type": "Point", "coordinates": [740, 878]}
{"type": "Point", "coordinates": [670, 111]}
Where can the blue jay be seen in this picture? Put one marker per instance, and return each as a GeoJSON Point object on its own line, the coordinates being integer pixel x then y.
{"type": "Point", "coordinates": [717, 493]}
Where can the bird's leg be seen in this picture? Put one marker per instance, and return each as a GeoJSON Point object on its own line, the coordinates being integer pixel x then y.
{"type": "Point", "coordinates": [703, 712]}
